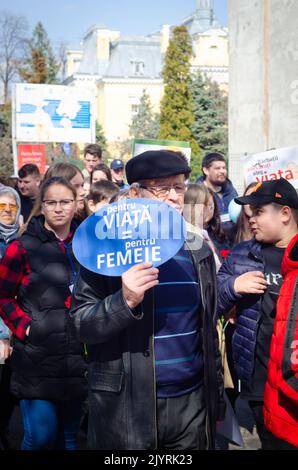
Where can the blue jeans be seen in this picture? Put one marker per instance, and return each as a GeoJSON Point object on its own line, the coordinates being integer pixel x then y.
{"type": "Point", "coordinates": [50, 426]}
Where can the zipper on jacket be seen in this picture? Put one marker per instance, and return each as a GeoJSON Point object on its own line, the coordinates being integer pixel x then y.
{"type": "Point", "coordinates": [206, 355]}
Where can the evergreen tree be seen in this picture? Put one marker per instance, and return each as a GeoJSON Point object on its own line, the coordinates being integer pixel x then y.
{"type": "Point", "coordinates": [210, 115]}
{"type": "Point", "coordinates": [176, 115]}
{"type": "Point", "coordinates": [99, 136]}
{"type": "Point", "coordinates": [40, 65]}
{"type": "Point", "coordinates": [221, 101]}
{"type": "Point", "coordinates": [145, 124]}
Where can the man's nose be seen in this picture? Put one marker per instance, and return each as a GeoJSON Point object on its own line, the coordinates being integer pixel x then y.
{"type": "Point", "coordinates": [173, 196]}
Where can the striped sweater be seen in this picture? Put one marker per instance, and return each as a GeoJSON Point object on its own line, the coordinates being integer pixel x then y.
{"type": "Point", "coordinates": [177, 341]}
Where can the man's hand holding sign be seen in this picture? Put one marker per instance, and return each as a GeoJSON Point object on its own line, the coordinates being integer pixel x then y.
{"type": "Point", "coordinates": [136, 281]}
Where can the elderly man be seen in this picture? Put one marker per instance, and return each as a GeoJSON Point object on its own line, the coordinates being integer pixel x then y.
{"type": "Point", "coordinates": [155, 371]}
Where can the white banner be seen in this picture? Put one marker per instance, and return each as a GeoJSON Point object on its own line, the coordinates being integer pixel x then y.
{"type": "Point", "coordinates": [54, 113]}
{"type": "Point", "coordinates": [272, 165]}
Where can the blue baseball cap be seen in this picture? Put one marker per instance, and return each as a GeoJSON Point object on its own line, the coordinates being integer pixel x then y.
{"type": "Point", "coordinates": [117, 164]}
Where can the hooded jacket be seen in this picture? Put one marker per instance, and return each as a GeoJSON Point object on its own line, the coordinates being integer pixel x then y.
{"type": "Point", "coordinates": [281, 390]}
{"type": "Point", "coordinates": [35, 275]}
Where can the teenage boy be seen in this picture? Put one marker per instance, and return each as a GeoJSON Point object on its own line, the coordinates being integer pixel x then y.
{"type": "Point", "coordinates": [250, 279]}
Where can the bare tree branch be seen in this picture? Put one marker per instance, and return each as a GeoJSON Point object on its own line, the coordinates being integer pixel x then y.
{"type": "Point", "coordinates": [13, 30]}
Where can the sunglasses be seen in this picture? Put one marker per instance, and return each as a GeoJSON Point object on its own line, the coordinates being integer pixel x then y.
{"type": "Point", "coordinates": [11, 207]}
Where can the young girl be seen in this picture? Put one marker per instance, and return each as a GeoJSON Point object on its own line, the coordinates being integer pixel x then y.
{"type": "Point", "coordinates": [75, 177]}
{"type": "Point", "coordinates": [201, 211]}
{"type": "Point", "coordinates": [101, 172]}
{"type": "Point", "coordinates": [100, 194]}
{"type": "Point", "coordinates": [36, 277]}
{"type": "Point", "coordinates": [244, 231]}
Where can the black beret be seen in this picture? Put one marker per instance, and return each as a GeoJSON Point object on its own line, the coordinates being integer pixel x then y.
{"type": "Point", "coordinates": [155, 164]}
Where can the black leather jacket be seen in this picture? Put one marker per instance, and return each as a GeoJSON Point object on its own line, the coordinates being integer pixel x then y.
{"type": "Point", "coordinates": [122, 395]}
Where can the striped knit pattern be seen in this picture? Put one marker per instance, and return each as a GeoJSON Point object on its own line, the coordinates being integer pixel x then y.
{"type": "Point", "coordinates": [177, 345]}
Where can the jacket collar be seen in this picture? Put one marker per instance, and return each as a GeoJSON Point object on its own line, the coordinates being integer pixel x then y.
{"type": "Point", "coordinates": [288, 264]}
{"type": "Point", "coordinates": [37, 229]}
{"type": "Point", "coordinates": [256, 250]}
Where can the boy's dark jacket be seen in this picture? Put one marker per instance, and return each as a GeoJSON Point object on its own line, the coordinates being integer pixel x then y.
{"type": "Point", "coordinates": [245, 257]}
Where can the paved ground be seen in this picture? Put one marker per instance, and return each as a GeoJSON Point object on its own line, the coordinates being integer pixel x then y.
{"type": "Point", "coordinates": [247, 427]}
{"type": "Point", "coordinates": [245, 419]}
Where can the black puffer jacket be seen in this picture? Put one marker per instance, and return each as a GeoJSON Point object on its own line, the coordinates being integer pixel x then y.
{"type": "Point", "coordinates": [122, 398]}
{"type": "Point", "coordinates": [49, 364]}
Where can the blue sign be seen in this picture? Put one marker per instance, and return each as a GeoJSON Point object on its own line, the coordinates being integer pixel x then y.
{"type": "Point", "coordinates": [234, 211]}
{"type": "Point", "coordinates": [66, 148]}
{"type": "Point", "coordinates": [129, 232]}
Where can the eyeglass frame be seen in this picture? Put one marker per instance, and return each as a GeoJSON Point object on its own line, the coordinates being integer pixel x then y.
{"type": "Point", "coordinates": [67, 201]}
{"type": "Point", "coordinates": [168, 189]}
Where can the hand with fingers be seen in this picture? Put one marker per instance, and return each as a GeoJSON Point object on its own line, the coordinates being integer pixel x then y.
{"type": "Point", "coordinates": [252, 282]}
{"type": "Point", "coordinates": [5, 349]}
{"type": "Point", "coordinates": [136, 281]}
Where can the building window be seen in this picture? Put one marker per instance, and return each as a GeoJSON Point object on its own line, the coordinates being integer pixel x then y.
{"type": "Point", "coordinates": [138, 67]}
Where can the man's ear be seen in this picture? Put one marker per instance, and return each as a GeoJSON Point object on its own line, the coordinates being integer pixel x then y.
{"type": "Point", "coordinates": [134, 192]}
{"type": "Point", "coordinates": [205, 171]}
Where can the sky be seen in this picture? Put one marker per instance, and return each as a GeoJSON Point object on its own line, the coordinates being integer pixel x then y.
{"type": "Point", "coordinates": [67, 20]}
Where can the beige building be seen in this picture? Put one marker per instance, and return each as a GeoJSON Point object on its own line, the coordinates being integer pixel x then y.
{"type": "Point", "coordinates": [119, 68]}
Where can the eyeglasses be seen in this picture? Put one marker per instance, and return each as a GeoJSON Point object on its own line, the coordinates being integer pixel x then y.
{"type": "Point", "coordinates": [11, 207]}
{"type": "Point", "coordinates": [64, 204]}
{"type": "Point", "coordinates": [163, 191]}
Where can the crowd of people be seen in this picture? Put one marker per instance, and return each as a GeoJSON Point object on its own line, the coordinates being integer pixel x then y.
{"type": "Point", "coordinates": [138, 357]}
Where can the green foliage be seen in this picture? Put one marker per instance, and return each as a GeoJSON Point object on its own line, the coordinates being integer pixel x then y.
{"type": "Point", "coordinates": [176, 115]}
{"type": "Point", "coordinates": [99, 136]}
{"type": "Point", "coordinates": [196, 165]}
{"type": "Point", "coordinates": [40, 65]}
{"type": "Point", "coordinates": [145, 124]}
{"type": "Point", "coordinates": [6, 157]}
{"type": "Point", "coordinates": [210, 116]}
{"type": "Point", "coordinates": [176, 106]}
